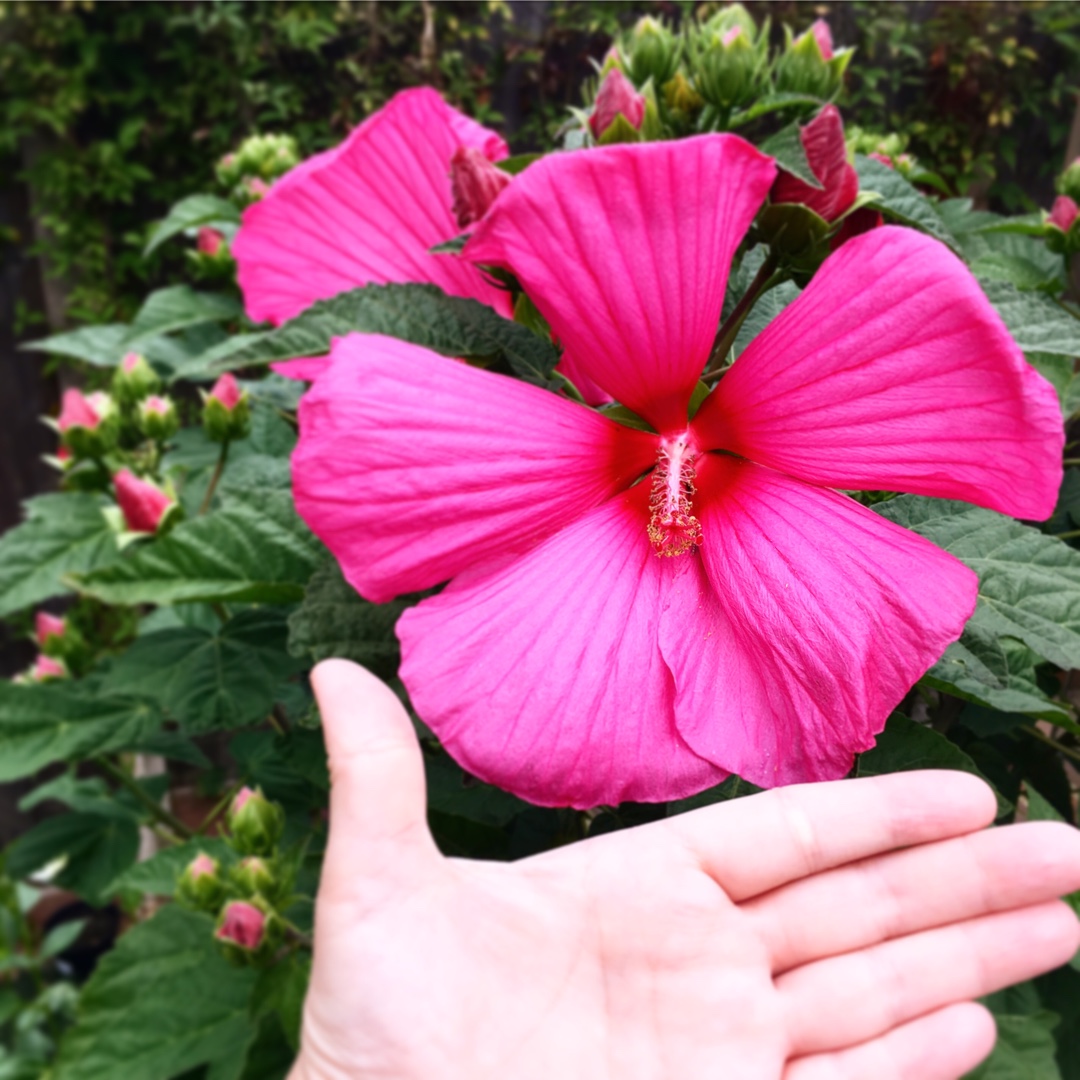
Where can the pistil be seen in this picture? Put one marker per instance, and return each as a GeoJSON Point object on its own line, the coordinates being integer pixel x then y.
{"type": "Point", "coordinates": [673, 529]}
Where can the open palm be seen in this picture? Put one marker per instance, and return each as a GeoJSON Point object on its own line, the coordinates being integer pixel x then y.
{"type": "Point", "coordinates": [827, 931]}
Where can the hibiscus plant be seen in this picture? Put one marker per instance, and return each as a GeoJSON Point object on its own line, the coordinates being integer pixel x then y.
{"type": "Point", "coordinates": [713, 450]}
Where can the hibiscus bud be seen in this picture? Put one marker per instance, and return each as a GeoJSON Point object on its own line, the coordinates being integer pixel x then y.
{"type": "Point", "coordinates": [680, 95]}
{"type": "Point", "coordinates": [254, 876]}
{"type": "Point", "coordinates": [1062, 233]}
{"type": "Point", "coordinates": [1063, 213]}
{"type": "Point", "coordinates": [617, 99]}
{"type": "Point", "coordinates": [47, 629]}
{"type": "Point", "coordinates": [255, 823]}
{"type": "Point", "coordinates": [810, 64]}
{"type": "Point", "coordinates": [652, 52]}
{"type": "Point", "coordinates": [133, 379]}
{"type": "Point", "coordinates": [826, 154]}
{"type": "Point", "coordinates": [728, 65]}
{"type": "Point", "coordinates": [209, 241]}
{"type": "Point", "coordinates": [248, 930]}
{"type": "Point", "coordinates": [474, 184]}
{"type": "Point", "coordinates": [256, 188]}
{"type": "Point", "coordinates": [200, 885]}
{"type": "Point", "coordinates": [87, 424]}
{"type": "Point", "coordinates": [823, 36]}
{"type": "Point", "coordinates": [226, 411]}
{"type": "Point", "coordinates": [45, 669]}
{"type": "Point", "coordinates": [1068, 182]}
{"type": "Point", "coordinates": [143, 504]}
{"type": "Point", "coordinates": [157, 417]}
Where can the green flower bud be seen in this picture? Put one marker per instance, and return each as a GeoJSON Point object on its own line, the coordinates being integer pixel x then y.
{"type": "Point", "coordinates": [809, 64]}
{"type": "Point", "coordinates": [226, 411]}
{"type": "Point", "coordinates": [133, 379]}
{"type": "Point", "coordinates": [254, 876]}
{"type": "Point", "coordinates": [156, 417]}
{"type": "Point", "coordinates": [200, 885]}
{"type": "Point", "coordinates": [255, 823]}
{"type": "Point", "coordinates": [652, 51]}
{"type": "Point", "coordinates": [1068, 183]}
{"type": "Point", "coordinates": [728, 65]}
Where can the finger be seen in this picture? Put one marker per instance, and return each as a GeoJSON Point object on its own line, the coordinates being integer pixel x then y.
{"type": "Point", "coordinates": [378, 825]}
{"type": "Point", "coordinates": [756, 844]}
{"type": "Point", "coordinates": [943, 1045]}
{"type": "Point", "coordinates": [846, 1000]}
{"type": "Point", "coordinates": [894, 895]}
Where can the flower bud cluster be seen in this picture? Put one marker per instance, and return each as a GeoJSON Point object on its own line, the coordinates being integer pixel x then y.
{"type": "Point", "coordinates": [248, 171]}
{"type": "Point", "coordinates": [248, 895]}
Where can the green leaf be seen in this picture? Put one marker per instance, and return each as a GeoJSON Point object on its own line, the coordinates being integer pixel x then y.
{"type": "Point", "coordinates": [1024, 273]}
{"type": "Point", "coordinates": [62, 534]}
{"type": "Point", "coordinates": [763, 312]}
{"type": "Point", "coordinates": [95, 849]}
{"type": "Point", "coordinates": [40, 724]}
{"type": "Point", "coordinates": [1035, 320]}
{"type": "Point", "coordinates": [1025, 1050]}
{"type": "Point", "coordinates": [281, 990]}
{"type": "Point", "coordinates": [190, 213]}
{"type": "Point", "coordinates": [1029, 583]}
{"type": "Point", "coordinates": [422, 314]}
{"type": "Point", "coordinates": [787, 148]}
{"type": "Point", "coordinates": [905, 745]}
{"type": "Point", "coordinates": [773, 103]}
{"type": "Point", "coordinates": [450, 791]}
{"type": "Point", "coordinates": [208, 680]}
{"type": "Point", "coordinates": [334, 620]}
{"type": "Point", "coordinates": [162, 1002]}
{"type": "Point", "coordinates": [158, 875]}
{"type": "Point", "coordinates": [253, 550]}
{"type": "Point", "coordinates": [177, 307]}
{"type": "Point", "coordinates": [60, 938]}
{"type": "Point", "coordinates": [102, 346]}
{"type": "Point", "coordinates": [900, 201]}
{"type": "Point", "coordinates": [89, 796]}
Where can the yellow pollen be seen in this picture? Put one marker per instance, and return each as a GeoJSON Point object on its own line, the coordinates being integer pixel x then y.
{"type": "Point", "coordinates": [673, 529]}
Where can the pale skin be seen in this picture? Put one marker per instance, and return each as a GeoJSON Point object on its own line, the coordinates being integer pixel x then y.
{"type": "Point", "coordinates": [833, 931]}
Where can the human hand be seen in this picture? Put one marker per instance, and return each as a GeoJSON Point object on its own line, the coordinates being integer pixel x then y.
{"type": "Point", "coordinates": [817, 932]}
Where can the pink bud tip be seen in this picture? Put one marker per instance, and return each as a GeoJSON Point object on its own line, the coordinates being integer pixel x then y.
{"type": "Point", "coordinates": [155, 404]}
{"type": "Point", "coordinates": [617, 97]}
{"type": "Point", "coordinates": [202, 864]}
{"type": "Point", "coordinates": [883, 158]}
{"type": "Point", "coordinates": [257, 187]}
{"type": "Point", "coordinates": [226, 391]}
{"type": "Point", "coordinates": [243, 925]}
{"type": "Point", "coordinates": [821, 31]}
{"type": "Point", "coordinates": [45, 667]}
{"type": "Point", "coordinates": [130, 362]}
{"type": "Point", "coordinates": [143, 504]}
{"type": "Point", "coordinates": [47, 626]}
{"type": "Point", "coordinates": [732, 36]}
{"type": "Point", "coordinates": [210, 240]}
{"type": "Point", "coordinates": [76, 411]}
{"type": "Point", "coordinates": [64, 454]}
{"type": "Point", "coordinates": [1064, 213]}
{"type": "Point", "coordinates": [228, 160]}
{"type": "Point", "coordinates": [475, 183]}
{"type": "Point", "coordinates": [241, 798]}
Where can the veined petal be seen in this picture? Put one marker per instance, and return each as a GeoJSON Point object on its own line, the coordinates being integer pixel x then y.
{"type": "Point", "coordinates": [412, 467]}
{"type": "Point", "coordinates": [366, 211]}
{"type": "Point", "coordinates": [893, 371]}
{"type": "Point", "coordinates": [804, 623]}
{"type": "Point", "coordinates": [545, 677]}
{"type": "Point", "coordinates": [626, 251]}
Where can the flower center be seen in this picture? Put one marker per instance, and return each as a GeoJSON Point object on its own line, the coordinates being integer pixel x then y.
{"type": "Point", "coordinates": [673, 529]}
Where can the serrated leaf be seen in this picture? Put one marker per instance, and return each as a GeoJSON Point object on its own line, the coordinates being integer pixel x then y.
{"type": "Point", "coordinates": [102, 346]}
{"type": "Point", "coordinates": [334, 620]}
{"type": "Point", "coordinates": [787, 148]}
{"type": "Point", "coordinates": [900, 201]}
{"type": "Point", "coordinates": [253, 550]}
{"type": "Point", "coordinates": [162, 1002]}
{"type": "Point", "coordinates": [190, 213]}
{"type": "Point", "coordinates": [178, 306]}
{"type": "Point", "coordinates": [1025, 1049]}
{"type": "Point", "coordinates": [422, 314]}
{"type": "Point", "coordinates": [208, 680]}
{"type": "Point", "coordinates": [773, 103]}
{"type": "Point", "coordinates": [1029, 583]}
{"type": "Point", "coordinates": [62, 534]}
{"type": "Point", "coordinates": [40, 724]}
{"type": "Point", "coordinates": [1026, 274]}
{"type": "Point", "coordinates": [158, 875]}
{"type": "Point", "coordinates": [1036, 322]}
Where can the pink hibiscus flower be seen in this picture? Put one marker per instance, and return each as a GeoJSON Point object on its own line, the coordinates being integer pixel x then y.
{"type": "Point", "coordinates": [568, 660]}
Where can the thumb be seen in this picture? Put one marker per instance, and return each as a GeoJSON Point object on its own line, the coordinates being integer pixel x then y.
{"type": "Point", "coordinates": [378, 804]}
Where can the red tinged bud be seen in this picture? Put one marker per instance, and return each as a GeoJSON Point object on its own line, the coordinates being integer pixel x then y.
{"type": "Point", "coordinates": [209, 241]}
{"type": "Point", "coordinates": [823, 36]}
{"type": "Point", "coordinates": [475, 183]}
{"type": "Point", "coordinates": [242, 924]}
{"type": "Point", "coordinates": [47, 626]}
{"type": "Point", "coordinates": [256, 823]}
{"type": "Point", "coordinates": [226, 412]}
{"type": "Point", "coordinates": [46, 667]}
{"type": "Point", "coordinates": [826, 153]}
{"type": "Point", "coordinates": [617, 97]}
{"type": "Point", "coordinates": [227, 391]}
{"type": "Point", "coordinates": [76, 411]}
{"type": "Point", "coordinates": [143, 504]}
{"type": "Point", "coordinates": [1063, 213]}
{"type": "Point", "coordinates": [883, 159]}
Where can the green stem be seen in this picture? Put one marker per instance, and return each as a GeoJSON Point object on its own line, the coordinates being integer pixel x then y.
{"type": "Point", "coordinates": [126, 780]}
{"type": "Point", "coordinates": [212, 486]}
{"type": "Point", "coordinates": [764, 280]}
{"type": "Point", "coordinates": [1071, 535]}
{"type": "Point", "coordinates": [297, 933]}
{"type": "Point", "coordinates": [225, 800]}
{"type": "Point", "coordinates": [1035, 733]}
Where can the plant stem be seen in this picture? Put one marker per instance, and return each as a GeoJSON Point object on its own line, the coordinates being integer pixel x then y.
{"type": "Point", "coordinates": [225, 800]}
{"type": "Point", "coordinates": [126, 780]}
{"type": "Point", "coordinates": [1035, 733]}
{"type": "Point", "coordinates": [1071, 535]}
{"type": "Point", "coordinates": [212, 486]}
{"type": "Point", "coordinates": [764, 280]}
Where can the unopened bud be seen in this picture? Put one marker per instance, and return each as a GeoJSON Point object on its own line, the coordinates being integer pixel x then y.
{"type": "Point", "coordinates": [255, 823]}
{"type": "Point", "coordinates": [1063, 213]}
{"type": "Point", "coordinates": [46, 669]}
{"type": "Point", "coordinates": [47, 629]}
{"type": "Point", "coordinates": [200, 885]}
{"type": "Point", "coordinates": [133, 379]}
{"type": "Point", "coordinates": [209, 241]}
{"type": "Point", "coordinates": [87, 424]}
{"type": "Point", "coordinates": [652, 52]}
{"type": "Point", "coordinates": [226, 410]}
{"type": "Point", "coordinates": [249, 930]}
{"type": "Point", "coordinates": [728, 64]}
{"type": "Point", "coordinates": [254, 877]}
{"type": "Point", "coordinates": [826, 154]}
{"type": "Point", "coordinates": [144, 505]}
{"type": "Point", "coordinates": [475, 183]}
{"type": "Point", "coordinates": [823, 36]}
{"type": "Point", "coordinates": [811, 65]}
{"type": "Point", "coordinates": [157, 417]}
{"type": "Point", "coordinates": [1062, 233]}
{"type": "Point", "coordinates": [617, 99]}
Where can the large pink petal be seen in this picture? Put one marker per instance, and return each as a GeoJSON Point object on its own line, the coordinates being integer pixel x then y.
{"type": "Point", "coordinates": [804, 623]}
{"type": "Point", "coordinates": [366, 211]}
{"type": "Point", "coordinates": [546, 677]}
{"type": "Point", "coordinates": [412, 467]}
{"type": "Point", "coordinates": [893, 371]}
{"type": "Point", "coordinates": [626, 250]}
